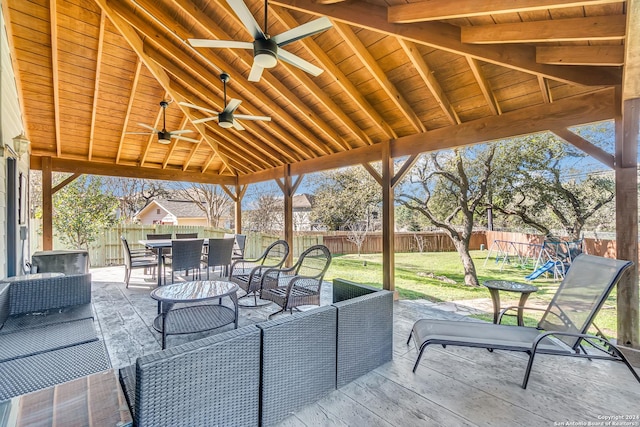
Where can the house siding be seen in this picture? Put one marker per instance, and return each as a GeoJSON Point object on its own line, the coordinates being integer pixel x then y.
{"type": "Point", "coordinates": [10, 126]}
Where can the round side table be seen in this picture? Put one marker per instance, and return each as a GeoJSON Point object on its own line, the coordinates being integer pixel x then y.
{"type": "Point", "coordinates": [495, 286]}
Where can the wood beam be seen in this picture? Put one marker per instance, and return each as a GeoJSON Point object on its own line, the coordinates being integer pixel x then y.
{"type": "Point", "coordinates": [580, 55]}
{"type": "Point", "coordinates": [96, 85]}
{"type": "Point", "coordinates": [173, 144]}
{"type": "Point", "coordinates": [447, 37]}
{"type": "Point", "coordinates": [236, 196]}
{"type": "Point", "coordinates": [64, 183]}
{"type": "Point", "coordinates": [111, 169]}
{"type": "Point", "coordinates": [374, 173]}
{"type": "Point", "coordinates": [192, 153]}
{"type": "Point", "coordinates": [557, 30]}
{"type": "Point", "coordinates": [631, 75]}
{"type": "Point", "coordinates": [433, 10]}
{"type": "Point", "coordinates": [379, 75]}
{"type": "Point", "coordinates": [404, 169]}
{"type": "Point", "coordinates": [425, 72]}
{"type": "Point", "coordinates": [55, 77]}
{"type": "Point", "coordinates": [586, 146]}
{"type": "Point", "coordinates": [338, 76]}
{"type": "Point", "coordinates": [627, 134]}
{"type": "Point", "coordinates": [152, 136]}
{"type": "Point", "coordinates": [544, 90]}
{"type": "Point", "coordinates": [132, 92]}
{"type": "Point", "coordinates": [485, 88]}
{"type": "Point", "coordinates": [47, 204]}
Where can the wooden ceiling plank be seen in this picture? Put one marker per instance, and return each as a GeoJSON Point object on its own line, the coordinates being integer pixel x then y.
{"type": "Point", "coordinates": [445, 9]}
{"type": "Point", "coordinates": [174, 143]}
{"type": "Point", "coordinates": [557, 30]}
{"type": "Point", "coordinates": [631, 76]}
{"type": "Point", "coordinates": [425, 72]}
{"type": "Point", "coordinates": [378, 74]}
{"type": "Point", "coordinates": [194, 149]}
{"type": "Point", "coordinates": [136, 43]}
{"type": "Point", "coordinates": [544, 89]}
{"type": "Point", "coordinates": [96, 87]}
{"type": "Point", "coordinates": [179, 68]}
{"type": "Point", "coordinates": [110, 169]}
{"type": "Point", "coordinates": [125, 124]}
{"type": "Point", "coordinates": [447, 37]}
{"type": "Point", "coordinates": [53, 18]}
{"type": "Point", "coordinates": [285, 118]}
{"type": "Point", "coordinates": [340, 78]}
{"type": "Point", "coordinates": [581, 55]}
{"type": "Point", "coordinates": [485, 88]}
{"type": "Point", "coordinates": [586, 146]}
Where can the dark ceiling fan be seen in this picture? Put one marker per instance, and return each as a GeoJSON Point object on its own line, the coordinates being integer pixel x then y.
{"type": "Point", "coordinates": [226, 118]}
{"type": "Point", "coordinates": [266, 49]}
{"type": "Point", "coordinates": [164, 136]}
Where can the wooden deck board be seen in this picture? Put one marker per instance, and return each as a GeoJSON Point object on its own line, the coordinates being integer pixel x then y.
{"type": "Point", "coordinates": [453, 386]}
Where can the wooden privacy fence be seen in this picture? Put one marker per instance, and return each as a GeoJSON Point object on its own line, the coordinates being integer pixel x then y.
{"type": "Point", "coordinates": [338, 243]}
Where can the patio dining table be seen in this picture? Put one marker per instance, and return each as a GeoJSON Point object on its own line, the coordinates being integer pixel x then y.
{"type": "Point", "coordinates": [158, 246]}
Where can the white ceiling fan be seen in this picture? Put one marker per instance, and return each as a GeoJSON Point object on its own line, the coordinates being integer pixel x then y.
{"type": "Point", "coordinates": [266, 49]}
{"type": "Point", "coordinates": [164, 136]}
{"type": "Point", "coordinates": [226, 118]}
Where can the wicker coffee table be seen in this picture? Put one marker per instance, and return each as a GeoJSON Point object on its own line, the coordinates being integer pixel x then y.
{"type": "Point", "coordinates": [194, 318]}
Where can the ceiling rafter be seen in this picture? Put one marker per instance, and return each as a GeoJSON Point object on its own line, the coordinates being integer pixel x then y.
{"type": "Point", "coordinates": [212, 29]}
{"type": "Point", "coordinates": [132, 92]}
{"type": "Point", "coordinates": [207, 162]}
{"type": "Point", "coordinates": [485, 88]}
{"type": "Point", "coordinates": [176, 54]}
{"type": "Point", "coordinates": [378, 74]}
{"type": "Point", "coordinates": [152, 135]}
{"type": "Point", "coordinates": [173, 144]}
{"type": "Point", "coordinates": [425, 72]}
{"type": "Point", "coordinates": [96, 86]}
{"type": "Point", "coordinates": [55, 78]}
{"type": "Point", "coordinates": [447, 37]}
{"type": "Point", "coordinates": [580, 55]}
{"type": "Point", "coordinates": [432, 10]}
{"type": "Point", "coordinates": [588, 28]}
{"type": "Point", "coordinates": [192, 153]}
{"type": "Point", "coordinates": [544, 88]}
{"type": "Point", "coordinates": [332, 69]}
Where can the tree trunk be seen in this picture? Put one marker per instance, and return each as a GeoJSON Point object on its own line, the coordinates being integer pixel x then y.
{"type": "Point", "coordinates": [470, 277]}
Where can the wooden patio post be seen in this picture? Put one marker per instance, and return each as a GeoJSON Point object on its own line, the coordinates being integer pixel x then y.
{"type": "Point", "coordinates": [47, 205]}
{"type": "Point", "coordinates": [627, 132]}
{"type": "Point", "coordinates": [288, 187]}
{"type": "Point", "coordinates": [388, 220]}
{"type": "Point", "coordinates": [236, 196]}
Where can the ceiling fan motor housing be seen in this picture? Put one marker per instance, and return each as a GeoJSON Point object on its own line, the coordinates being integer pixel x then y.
{"type": "Point", "coordinates": [265, 52]}
{"type": "Point", "coordinates": [164, 137]}
{"type": "Point", "coordinates": [225, 119]}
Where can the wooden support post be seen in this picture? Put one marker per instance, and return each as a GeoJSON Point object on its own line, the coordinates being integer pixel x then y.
{"type": "Point", "coordinates": [236, 196]}
{"type": "Point", "coordinates": [388, 220]}
{"type": "Point", "coordinates": [627, 132]}
{"type": "Point", "coordinates": [47, 205]}
{"type": "Point", "coordinates": [288, 187]}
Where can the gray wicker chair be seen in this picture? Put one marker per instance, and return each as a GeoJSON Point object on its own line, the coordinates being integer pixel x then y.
{"type": "Point", "coordinates": [186, 255]}
{"type": "Point", "coordinates": [131, 262]}
{"type": "Point", "coordinates": [186, 236]}
{"type": "Point", "coordinates": [247, 273]}
{"type": "Point", "coordinates": [219, 255]}
{"type": "Point", "coordinates": [297, 285]}
{"type": "Point", "coordinates": [238, 246]}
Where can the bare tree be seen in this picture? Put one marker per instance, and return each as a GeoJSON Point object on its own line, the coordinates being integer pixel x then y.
{"type": "Point", "coordinates": [209, 198]}
{"type": "Point", "coordinates": [265, 215]}
{"type": "Point", "coordinates": [357, 233]}
{"type": "Point", "coordinates": [134, 193]}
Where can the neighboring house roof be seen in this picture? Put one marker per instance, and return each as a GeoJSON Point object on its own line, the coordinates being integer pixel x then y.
{"type": "Point", "coordinates": [303, 201]}
{"type": "Point", "coordinates": [177, 208]}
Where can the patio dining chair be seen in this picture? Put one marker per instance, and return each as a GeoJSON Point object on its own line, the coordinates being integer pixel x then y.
{"type": "Point", "coordinates": [186, 255]}
{"type": "Point", "coordinates": [131, 261]}
{"type": "Point", "coordinates": [247, 273]}
{"type": "Point", "coordinates": [297, 285]}
{"type": "Point", "coordinates": [563, 329]}
{"type": "Point", "coordinates": [240, 241]}
{"type": "Point", "coordinates": [186, 235]}
{"type": "Point", "coordinates": [218, 255]}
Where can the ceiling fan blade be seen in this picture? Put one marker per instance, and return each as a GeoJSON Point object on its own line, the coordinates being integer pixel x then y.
{"type": "Point", "coordinates": [245, 15]}
{"type": "Point", "coordinates": [305, 30]}
{"type": "Point", "coordinates": [256, 73]}
{"type": "Point", "coordinates": [148, 127]}
{"type": "Point", "coordinates": [231, 44]}
{"type": "Point", "coordinates": [248, 117]}
{"type": "Point", "coordinates": [232, 105]}
{"type": "Point", "coordinates": [296, 61]}
{"type": "Point", "coordinates": [179, 132]}
{"type": "Point", "coordinates": [204, 120]}
{"type": "Point", "coordinates": [197, 107]}
{"type": "Point", "coordinates": [237, 125]}
{"type": "Point", "coordinates": [184, 138]}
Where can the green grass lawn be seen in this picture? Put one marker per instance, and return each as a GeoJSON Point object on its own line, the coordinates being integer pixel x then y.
{"type": "Point", "coordinates": [414, 279]}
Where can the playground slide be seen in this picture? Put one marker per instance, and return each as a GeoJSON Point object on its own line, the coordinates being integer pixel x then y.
{"type": "Point", "coordinates": [548, 266]}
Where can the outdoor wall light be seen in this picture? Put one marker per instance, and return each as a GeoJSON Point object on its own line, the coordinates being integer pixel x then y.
{"type": "Point", "coordinates": [21, 145]}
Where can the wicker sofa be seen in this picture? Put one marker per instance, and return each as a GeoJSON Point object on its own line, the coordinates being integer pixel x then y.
{"type": "Point", "coordinates": [47, 333]}
{"type": "Point", "coordinates": [260, 374]}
